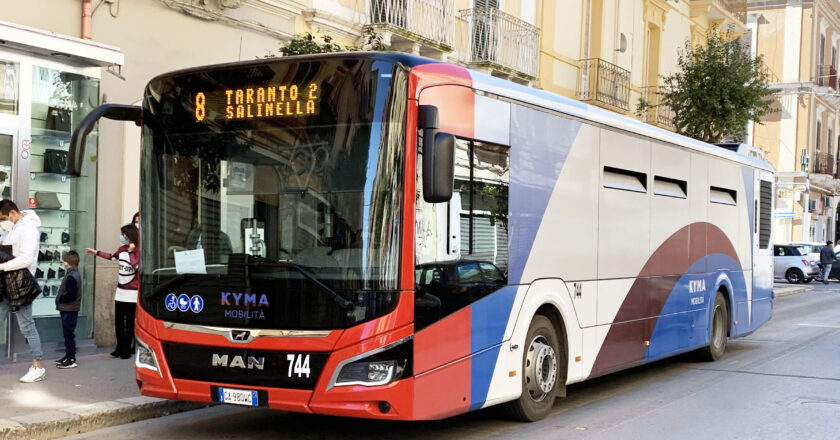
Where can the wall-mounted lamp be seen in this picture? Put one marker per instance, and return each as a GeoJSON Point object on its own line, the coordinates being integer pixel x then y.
{"type": "Point", "coordinates": [622, 43]}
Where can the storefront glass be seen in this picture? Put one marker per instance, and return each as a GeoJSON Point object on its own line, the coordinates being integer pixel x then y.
{"type": "Point", "coordinates": [66, 205]}
{"type": "Point", "coordinates": [9, 73]}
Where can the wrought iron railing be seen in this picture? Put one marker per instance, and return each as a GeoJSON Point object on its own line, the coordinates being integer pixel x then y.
{"type": "Point", "coordinates": [499, 39]}
{"type": "Point", "coordinates": [430, 20]}
{"type": "Point", "coordinates": [738, 8]}
{"type": "Point", "coordinates": [604, 82]}
{"type": "Point", "coordinates": [824, 163]}
{"type": "Point", "coordinates": [827, 76]}
{"type": "Point", "coordinates": [656, 112]}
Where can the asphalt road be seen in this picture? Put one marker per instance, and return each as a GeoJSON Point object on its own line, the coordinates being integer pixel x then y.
{"type": "Point", "coordinates": [783, 382]}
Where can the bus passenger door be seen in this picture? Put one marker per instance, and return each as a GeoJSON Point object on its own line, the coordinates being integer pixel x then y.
{"type": "Point", "coordinates": [462, 301]}
{"type": "Point", "coordinates": [762, 248]}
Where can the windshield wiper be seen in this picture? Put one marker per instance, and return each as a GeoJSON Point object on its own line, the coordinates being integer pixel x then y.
{"type": "Point", "coordinates": [342, 301]}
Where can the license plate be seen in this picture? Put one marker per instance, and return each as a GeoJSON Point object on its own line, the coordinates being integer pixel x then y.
{"type": "Point", "coordinates": [238, 397]}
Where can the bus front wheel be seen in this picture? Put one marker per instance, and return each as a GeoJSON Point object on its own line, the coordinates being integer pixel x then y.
{"type": "Point", "coordinates": [540, 372]}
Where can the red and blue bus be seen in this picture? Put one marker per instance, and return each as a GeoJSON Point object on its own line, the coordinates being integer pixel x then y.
{"type": "Point", "coordinates": [386, 236]}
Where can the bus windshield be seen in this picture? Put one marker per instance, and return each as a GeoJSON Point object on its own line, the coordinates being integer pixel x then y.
{"type": "Point", "coordinates": [280, 178]}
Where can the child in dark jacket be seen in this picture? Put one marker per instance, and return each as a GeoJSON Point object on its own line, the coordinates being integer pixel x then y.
{"type": "Point", "coordinates": [67, 302]}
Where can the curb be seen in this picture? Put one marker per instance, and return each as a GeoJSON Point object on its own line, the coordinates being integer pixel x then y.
{"type": "Point", "coordinates": [787, 291]}
{"type": "Point", "coordinates": [86, 418]}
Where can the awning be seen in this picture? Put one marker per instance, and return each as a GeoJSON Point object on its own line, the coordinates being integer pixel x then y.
{"type": "Point", "coordinates": [71, 50]}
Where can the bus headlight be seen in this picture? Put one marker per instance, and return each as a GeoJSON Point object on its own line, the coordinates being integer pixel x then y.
{"type": "Point", "coordinates": [145, 357]}
{"type": "Point", "coordinates": [378, 367]}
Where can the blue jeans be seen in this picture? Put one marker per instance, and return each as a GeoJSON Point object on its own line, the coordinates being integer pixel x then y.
{"type": "Point", "coordinates": [27, 326]}
{"type": "Point", "coordinates": [826, 270]}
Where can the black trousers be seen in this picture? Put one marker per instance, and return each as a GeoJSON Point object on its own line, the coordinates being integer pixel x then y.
{"type": "Point", "coordinates": [68, 326]}
{"type": "Point", "coordinates": [124, 326]}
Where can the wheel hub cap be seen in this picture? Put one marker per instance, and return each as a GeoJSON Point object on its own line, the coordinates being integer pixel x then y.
{"type": "Point", "coordinates": [540, 369]}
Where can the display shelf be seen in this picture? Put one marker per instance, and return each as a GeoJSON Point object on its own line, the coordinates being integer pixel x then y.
{"type": "Point", "coordinates": [45, 133]}
{"type": "Point", "coordinates": [35, 174]}
{"type": "Point", "coordinates": [69, 211]}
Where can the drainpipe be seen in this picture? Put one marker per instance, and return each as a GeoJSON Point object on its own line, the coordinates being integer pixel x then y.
{"type": "Point", "coordinates": [87, 16]}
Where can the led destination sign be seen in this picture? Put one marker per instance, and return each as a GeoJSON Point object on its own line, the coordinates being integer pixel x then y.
{"type": "Point", "coordinates": [259, 102]}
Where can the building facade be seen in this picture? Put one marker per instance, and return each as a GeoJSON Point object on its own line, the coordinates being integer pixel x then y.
{"type": "Point", "coordinates": [610, 53]}
{"type": "Point", "coordinates": [799, 41]}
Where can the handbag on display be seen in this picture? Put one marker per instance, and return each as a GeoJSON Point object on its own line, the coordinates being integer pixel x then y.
{"type": "Point", "coordinates": [55, 161]}
{"type": "Point", "coordinates": [47, 200]}
{"type": "Point", "coordinates": [58, 119]}
{"type": "Point", "coordinates": [65, 237]}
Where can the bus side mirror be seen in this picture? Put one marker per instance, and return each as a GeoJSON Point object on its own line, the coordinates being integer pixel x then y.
{"type": "Point", "coordinates": [439, 168]}
{"type": "Point", "coordinates": [116, 112]}
{"type": "Point", "coordinates": [438, 157]}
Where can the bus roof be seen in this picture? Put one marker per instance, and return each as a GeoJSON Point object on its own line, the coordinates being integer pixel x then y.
{"type": "Point", "coordinates": [551, 101]}
{"type": "Point", "coordinates": [517, 92]}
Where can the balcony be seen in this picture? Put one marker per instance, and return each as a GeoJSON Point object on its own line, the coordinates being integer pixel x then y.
{"type": "Point", "coordinates": [728, 14]}
{"type": "Point", "coordinates": [605, 84]}
{"type": "Point", "coordinates": [657, 113]}
{"type": "Point", "coordinates": [416, 26]}
{"type": "Point", "coordinates": [825, 164]}
{"type": "Point", "coordinates": [827, 77]}
{"type": "Point", "coordinates": [500, 42]}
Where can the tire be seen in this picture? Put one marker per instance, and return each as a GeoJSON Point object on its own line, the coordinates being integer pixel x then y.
{"type": "Point", "coordinates": [718, 331]}
{"type": "Point", "coordinates": [541, 367]}
{"type": "Point", "coordinates": [794, 276]}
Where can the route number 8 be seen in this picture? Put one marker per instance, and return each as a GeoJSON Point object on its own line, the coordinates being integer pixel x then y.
{"type": "Point", "coordinates": [199, 106]}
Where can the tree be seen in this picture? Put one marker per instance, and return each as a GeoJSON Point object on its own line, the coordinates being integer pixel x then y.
{"type": "Point", "coordinates": [306, 43]}
{"type": "Point", "coordinates": [717, 90]}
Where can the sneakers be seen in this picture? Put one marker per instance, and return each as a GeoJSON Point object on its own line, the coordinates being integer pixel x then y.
{"type": "Point", "coordinates": [67, 363]}
{"type": "Point", "coordinates": [34, 375]}
{"type": "Point", "coordinates": [59, 361]}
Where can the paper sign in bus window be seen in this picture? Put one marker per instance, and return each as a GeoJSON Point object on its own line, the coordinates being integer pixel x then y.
{"type": "Point", "coordinates": [191, 261]}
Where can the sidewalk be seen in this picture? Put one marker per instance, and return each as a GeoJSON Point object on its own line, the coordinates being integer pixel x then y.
{"type": "Point", "coordinates": [786, 289]}
{"type": "Point", "coordinates": [100, 392]}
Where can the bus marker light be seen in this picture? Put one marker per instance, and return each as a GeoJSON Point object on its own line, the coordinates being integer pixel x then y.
{"type": "Point", "coordinates": [647, 343]}
{"type": "Point", "coordinates": [511, 373]}
{"type": "Point", "coordinates": [578, 358]}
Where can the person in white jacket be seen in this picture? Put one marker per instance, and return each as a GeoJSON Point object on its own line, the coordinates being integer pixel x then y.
{"type": "Point", "coordinates": [22, 234]}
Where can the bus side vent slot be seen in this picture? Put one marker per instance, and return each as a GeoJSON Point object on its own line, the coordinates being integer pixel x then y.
{"type": "Point", "coordinates": [626, 180]}
{"type": "Point", "coordinates": [765, 214]}
{"type": "Point", "coordinates": [665, 186]}
{"type": "Point", "coordinates": [723, 196]}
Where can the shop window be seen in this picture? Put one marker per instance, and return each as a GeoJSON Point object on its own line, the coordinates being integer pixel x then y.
{"type": "Point", "coordinates": [9, 74]}
{"type": "Point", "coordinates": [6, 147]}
{"type": "Point", "coordinates": [65, 204]}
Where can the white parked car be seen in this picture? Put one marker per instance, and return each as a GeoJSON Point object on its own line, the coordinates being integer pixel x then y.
{"type": "Point", "coordinates": [790, 264]}
{"type": "Point", "coordinates": [811, 251]}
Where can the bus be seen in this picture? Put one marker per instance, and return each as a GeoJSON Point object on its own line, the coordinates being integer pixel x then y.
{"type": "Point", "coordinates": [386, 236]}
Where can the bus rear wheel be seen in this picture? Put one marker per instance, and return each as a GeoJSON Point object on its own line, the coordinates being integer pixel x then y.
{"type": "Point", "coordinates": [540, 372]}
{"type": "Point", "coordinates": [719, 330]}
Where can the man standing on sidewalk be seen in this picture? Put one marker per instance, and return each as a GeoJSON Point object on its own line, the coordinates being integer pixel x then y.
{"type": "Point", "coordinates": [21, 233]}
{"type": "Point", "coordinates": [826, 260]}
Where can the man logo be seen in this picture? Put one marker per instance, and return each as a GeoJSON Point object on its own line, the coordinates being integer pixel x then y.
{"type": "Point", "coordinates": [240, 335]}
{"type": "Point", "coordinates": [238, 362]}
